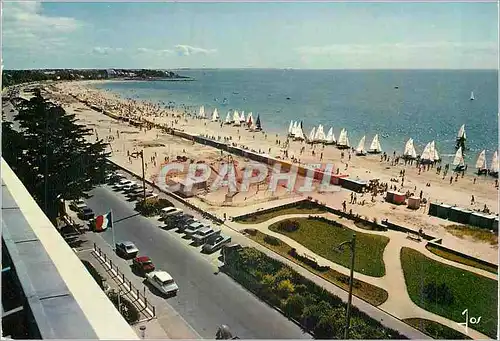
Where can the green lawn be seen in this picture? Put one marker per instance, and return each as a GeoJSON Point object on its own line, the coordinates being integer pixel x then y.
{"type": "Point", "coordinates": [436, 330]}
{"type": "Point", "coordinates": [260, 218]}
{"type": "Point", "coordinates": [322, 238]}
{"type": "Point", "coordinates": [469, 291]}
{"type": "Point", "coordinates": [459, 259]}
{"type": "Point", "coordinates": [368, 292]}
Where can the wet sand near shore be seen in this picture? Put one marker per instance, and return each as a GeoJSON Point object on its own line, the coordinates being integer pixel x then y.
{"type": "Point", "coordinates": [158, 145]}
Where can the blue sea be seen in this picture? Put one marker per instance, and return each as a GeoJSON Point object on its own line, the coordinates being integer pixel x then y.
{"type": "Point", "coordinates": [423, 104]}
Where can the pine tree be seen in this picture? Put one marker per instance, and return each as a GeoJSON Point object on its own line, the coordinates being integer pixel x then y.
{"type": "Point", "coordinates": [51, 155]}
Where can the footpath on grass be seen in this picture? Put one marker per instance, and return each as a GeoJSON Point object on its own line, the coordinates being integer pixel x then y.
{"type": "Point", "coordinates": [399, 303]}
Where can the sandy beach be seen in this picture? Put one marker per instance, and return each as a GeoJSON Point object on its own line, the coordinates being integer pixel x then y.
{"type": "Point", "coordinates": [160, 147]}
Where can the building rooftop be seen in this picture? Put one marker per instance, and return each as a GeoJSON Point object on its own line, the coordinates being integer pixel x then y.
{"type": "Point", "coordinates": [60, 298]}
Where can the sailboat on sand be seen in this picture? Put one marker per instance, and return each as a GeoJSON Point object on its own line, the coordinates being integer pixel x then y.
{"type": "Point", "coordinates": [228, 118]}
{"type": "Point", "coordinates": [481, 163]}
{"type": "Point", "coordinates": [343, 142]}
{"type": "Point", "coordinates": [215, 115]}
{"type": "Point", "coordinates": [236, 118]}
{"type": "Point", "coordinates": [410, 152]}
{"type": "Point", "coordinates": [201, 112]}
{"type": "Point", "coordinates": [375, 147]}
{"type": "Point", "coordinates": [459, 161]}
{"type": "Point", "coordinates": [360, 150]}
{"type": "Point", "coordinates": [330, 137]}
{"type": "Point", "coordinates": [494, 164]}
{"type": "Point", "coordinates": [312, 135]}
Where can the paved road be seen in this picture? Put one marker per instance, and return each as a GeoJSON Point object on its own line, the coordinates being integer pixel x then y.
{"type": "Point", "coordinates": [205, 300]}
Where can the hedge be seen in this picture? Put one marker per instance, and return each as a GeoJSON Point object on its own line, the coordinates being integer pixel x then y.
{"type": "Point", "coordinates": [317, 310]}
{"type": "Point", "coordinates": [128, 310]}
{"type": "Point", "coordinates": [150, 208]}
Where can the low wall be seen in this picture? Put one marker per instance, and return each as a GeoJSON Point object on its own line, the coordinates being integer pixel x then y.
{"type": "Point", "coordinates": [458, 253]}
{"type": "Point", "coordinates": [400, 228]}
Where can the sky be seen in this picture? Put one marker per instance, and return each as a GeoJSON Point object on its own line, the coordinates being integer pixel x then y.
{"type": "Point", "coordinates": [301, 35]}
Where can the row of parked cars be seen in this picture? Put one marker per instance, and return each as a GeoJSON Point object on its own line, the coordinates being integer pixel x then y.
{"type": "Point", "coordinates": [143, 266]}
{"type": "Point", "coordinates": [132, 189]}
{"type": "Point", "coordinates": [199, 232]}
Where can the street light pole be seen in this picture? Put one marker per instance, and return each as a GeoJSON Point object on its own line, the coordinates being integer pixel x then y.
{"type": "Point", "coordinates": [141, 154]}
{"type": "Point", "coordinates": [352, 246]}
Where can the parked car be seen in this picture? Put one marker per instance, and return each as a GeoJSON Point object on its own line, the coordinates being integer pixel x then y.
{"type": "Point", "coordinates": [151, 196]}
{"type": "Point", "coordinates": [194, 225]}
{"type": "Point", "coordinates": [192, 229]}
{"type": "Point", "coordinates": [202, 235]}
{"type": "Point", "coordinates": [122, 183]}
{"type": "Point", "coordinates": [162, 281]}
{"type": "Point", "coordinates": [139, 191]}
{"type": "Point", "coordinates": [126, 249]}
{"type": "Point", "coordinates": [215, 242]}
{"type": "Point", "coordinates": [168, 211]}
{"type": "Point", "coordinates": [86, 213]}
{"type": "Point", "coordinates": [130, 187]}
{"type": "Point", "coordinates": [143, 265]}
{"type": "Point", "coordinates": [77, 205]}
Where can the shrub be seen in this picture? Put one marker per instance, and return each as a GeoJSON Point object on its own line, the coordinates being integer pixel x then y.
{"type": "Point", "coordinates": [325, 328]}
{"type": "Point", "coordinates": [94, 273]}
{"type": "Point", "coordinates": [251, 232]}
{"type": "Point", "coordinates": [313, 313]}
{"type": "Point", "coordinates": [151, 208]}
{"type": "Point", "coordinates": [272, 240]}
{"type": "Point", "coordinates": [288, 225]}
{"type": "Point", "coordinates": [294, 306]}
{"type": "Point", "coordinates": [440, 294]}
{"type": "Point", "coordinates": [285, 288]}
{"type": "Point", "coordinates": [127, 309]}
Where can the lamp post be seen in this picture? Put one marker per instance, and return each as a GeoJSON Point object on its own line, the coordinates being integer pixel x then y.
{"type": "Point", "coordinates": [352, 246]}
{"type": "Point", "coordinates": [141, 154]}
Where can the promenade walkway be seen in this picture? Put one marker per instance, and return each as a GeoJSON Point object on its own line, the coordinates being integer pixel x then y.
{"type": "Point", "coordinates": [399, 303]}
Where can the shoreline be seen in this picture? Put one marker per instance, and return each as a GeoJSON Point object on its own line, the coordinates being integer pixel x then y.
{"type": "Point", "coordinates": [157, 143]}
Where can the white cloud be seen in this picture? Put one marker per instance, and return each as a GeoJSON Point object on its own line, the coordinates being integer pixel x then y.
{"type": "Point", "coordinates": [25, 26]}
{"type": "Point", "coordinates": [186, 50]}
{"type": "Point", "coordinates": [158, 52]}
{"type": "Point", "coordinates": [106, 50]}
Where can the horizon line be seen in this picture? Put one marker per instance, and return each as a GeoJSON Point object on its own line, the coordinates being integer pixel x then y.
{"type": "Point", "coordinates": [255, 68]}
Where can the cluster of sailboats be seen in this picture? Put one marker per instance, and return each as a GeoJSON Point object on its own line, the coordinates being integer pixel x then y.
{"type": "Point", "coordinates": [429, 154]}
{"type": "Point", "coordinates": [317, 135]}
{"type": "Point", "coordinates": [234, 118]}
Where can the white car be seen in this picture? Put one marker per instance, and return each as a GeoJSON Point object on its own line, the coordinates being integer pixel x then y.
{"type": "Point", "coordinates": [162, 281]}
{"type": "Point", "coordinates": [123, 183]}
{"type": "Point", "coordinates": [168, 211]}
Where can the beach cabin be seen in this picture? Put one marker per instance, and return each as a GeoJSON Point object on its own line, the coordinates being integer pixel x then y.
{"type": "Point", "coordinates": [394, 197]}
{"type": "Point", "coordinates": [482, 220]}
{"type": "Point", "coordinates": [355, 185]}
{"type": "Point", "coordinates": [414, 203]}
{"type": "Point", "coordinates": [443, 211]}
{"type": "Point", "coordinates": [495, 224]}
{"type": "Point", "coordinates": [459, 215]}
{"type": "Point", "coordinates": [337, 179]}
{"type": "Point", "coordinates": [433, 209]}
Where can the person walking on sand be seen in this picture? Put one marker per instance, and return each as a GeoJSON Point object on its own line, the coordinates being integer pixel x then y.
{"type": "Point", "coordinates": [344, 206]}
{"type": "Point", "coordinates": [472, 200]}
{"type": "Point", "coordinates": [474, 181]}
{"type": "Point", "coordinates": [451, 180]}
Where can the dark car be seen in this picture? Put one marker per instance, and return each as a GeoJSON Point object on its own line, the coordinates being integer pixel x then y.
{"type": "Point", "coordinates": [86, 213]}
{"type": "Point", "coordinates": [143, 265]}
{"type": "Point", "coordinates": [126, 249]}
{"type": "Point", "coordinates": [215, 242]}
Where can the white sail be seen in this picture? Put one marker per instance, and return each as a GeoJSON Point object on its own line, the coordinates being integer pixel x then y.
{"type": "Point", "coordinates": [410, 149]}
{"type": "Point", "coordinates": [361, 145]}
{"type": "Point", "coordinates": [343, 139]}
{"type": "Point", "coordinates": [215, 115]}
{"type": "Point", "coordinates": [290, 128]}
{"type": "Point", "coordinates": [228, 118]}
{"type": "Point", "coordinates": [320, 134]}
{"type": "Point", "coordinates": [201, 113]}
{"type": "Point", "coordinates": [428, 153]}
{"type": "Point", "coordinates": [330, 137]}
{"type": "Point", "coordinates": [312, 134]}
{"type": "Point", "coordinates": [299, 133]}
{"type": "Point", "coordinates": [481, 160]}
{"type": "Point", "coordinates": [461, 132]}
{"type": "Point", "coordinates": [434, 149]}
{"type": "Point", "coordinates": [494, 163]}
{"type": "Point", "coordinates": [472, 95]}
{"type": "Point", "coordinates": [236, 117]}
{"type": "Point", "coordinates": [242, 116]}
{"type": "Point", "coordinates": [375, 146]}
{"type": "Point", "coordinates": [459, 158]}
